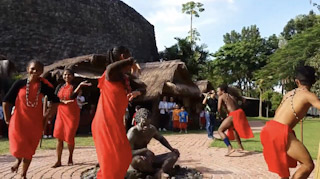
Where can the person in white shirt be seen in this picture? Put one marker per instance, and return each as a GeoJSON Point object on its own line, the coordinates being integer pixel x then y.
{"type": "Point", "coordinates": [163, 107]}
{"type": "Point", "coordinates": [81, 100]}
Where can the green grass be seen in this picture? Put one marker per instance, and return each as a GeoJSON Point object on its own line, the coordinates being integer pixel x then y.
{"type": "Point", "coordinates": [258, 118]}
{"type": "Point", "coordinates": [311, 137]}
{"type": "Point", "coordinates": [50, 144]}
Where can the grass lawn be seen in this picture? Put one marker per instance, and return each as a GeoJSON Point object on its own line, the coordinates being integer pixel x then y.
{"type": "Point", "coordinates": [311, 138]}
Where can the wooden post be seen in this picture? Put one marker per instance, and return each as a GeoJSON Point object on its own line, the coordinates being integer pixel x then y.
{"type": "Point", "coordinates": [317, 172]}
{"type": "Point", "coordinates": [301, 129]}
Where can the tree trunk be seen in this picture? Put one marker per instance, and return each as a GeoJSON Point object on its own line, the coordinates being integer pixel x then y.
{"type": "Point", "coordinates": [260, 102]}
{"type": "Point", "coordinates": [191, 30]}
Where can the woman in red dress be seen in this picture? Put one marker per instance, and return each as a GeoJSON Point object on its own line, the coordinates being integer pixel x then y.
{"type": "Point", "coordinates": [27, 122]}
{"type": "Point", "coordinates": [108, 130]}
{"type": "Point", "coordinates": [68, 115]}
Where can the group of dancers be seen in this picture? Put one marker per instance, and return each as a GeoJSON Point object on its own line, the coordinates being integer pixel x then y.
{"type": "Point", "coordinates": [117, 87]}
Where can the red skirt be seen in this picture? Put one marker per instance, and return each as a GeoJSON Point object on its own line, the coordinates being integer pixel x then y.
{"type": "Point", "coordinates": [183, 125]}
{"type": "Point", "coordinates": [176, 124]}
{"type": "Point", "coordinates": [240, 124]}
{"type": "Point", "coordinates": [274, 138]}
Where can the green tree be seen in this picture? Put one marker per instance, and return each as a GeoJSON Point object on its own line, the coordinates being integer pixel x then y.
{"type": "Point", "coordinates": [192, 8]}
{"type": "Point", "coordinates": [195, 56]}
{"type": "Point", "coordinates": [242, 55]}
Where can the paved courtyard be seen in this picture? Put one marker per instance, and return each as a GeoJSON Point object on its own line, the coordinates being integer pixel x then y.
{"type": "Point", "coordinates": [194, 149]}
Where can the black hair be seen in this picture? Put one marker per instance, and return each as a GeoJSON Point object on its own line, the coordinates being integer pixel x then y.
{"type": "Point", "coordinates": [115, 53]}
{"type": "Point", "coordinates": [306, 75]}
{"type": "Point", "coordinates": [36, 62]}
{"type": "Point", "coordinates": [142, 113]}
{"type": "Point", "coordinates": [69, 70]}
{"type": "Point", "coordinates": [232, 91]}
{"type": "Point", "coordinates": [137, 107]}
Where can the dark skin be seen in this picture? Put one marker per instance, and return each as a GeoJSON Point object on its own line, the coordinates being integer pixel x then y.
{"type": "Point", "coordinates": [34, 71]}
{"type": "Point", "coordinates": [228, 102]}
{"type": "Point", "coordinates": [144, 159]}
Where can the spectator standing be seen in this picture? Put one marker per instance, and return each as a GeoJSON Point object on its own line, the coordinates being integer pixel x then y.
{"type": "Point", "coordinates": [163, 107]}
{"type": "Point", "coordinates": [210, 111]}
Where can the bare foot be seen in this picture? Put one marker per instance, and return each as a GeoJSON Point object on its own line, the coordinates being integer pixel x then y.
{"type": "Point", "coordinates": [57, 164]}
{"type": "Point", "coordinates": [15, 167]}
{"type": "Point", "coordinates": [70, 162]}
{"type": "Point", "coordinates": [230, 152]}
{"type": "Point", "coordinates": [240, 150]}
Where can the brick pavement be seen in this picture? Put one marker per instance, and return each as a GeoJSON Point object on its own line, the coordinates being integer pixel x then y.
{"type": "Point", "coordinates": [194, 149]}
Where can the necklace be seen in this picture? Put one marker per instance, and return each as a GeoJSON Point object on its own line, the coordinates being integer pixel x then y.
{"type": "Point", "coordinates": [29, 103]}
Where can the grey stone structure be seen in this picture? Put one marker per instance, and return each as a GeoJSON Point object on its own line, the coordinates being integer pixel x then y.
{"type": "Point", "coordinates": [51, 30]}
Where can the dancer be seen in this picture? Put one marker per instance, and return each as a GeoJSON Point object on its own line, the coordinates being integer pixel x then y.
{"type": "Point", "coordinates": [109, 134]}
{"type": "Point", "coordinates": [68, 115]}
{"type": "Point", "coordinates": [236, 122]}
{"type": "Point", "coordinates": [27, 122]}
{"type": "Point", "coordinates": [281, 148]}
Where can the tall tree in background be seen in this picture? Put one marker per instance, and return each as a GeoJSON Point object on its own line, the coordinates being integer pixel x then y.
{"type": "Point", "coordinates": [192, 8]}
{"type": "Point", "coordinates": [242, 55]}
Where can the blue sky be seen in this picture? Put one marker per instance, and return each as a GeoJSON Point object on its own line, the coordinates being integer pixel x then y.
{"type": "Point", "coordinates": [219, 17]}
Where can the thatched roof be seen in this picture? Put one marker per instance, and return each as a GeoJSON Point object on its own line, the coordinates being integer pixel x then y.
{"type": "Point", "coordinates": [204, 86]}
{"type": "Point", "coordinates": [87, 66]}
{"type": "Point", "coordinates": [171, 77]}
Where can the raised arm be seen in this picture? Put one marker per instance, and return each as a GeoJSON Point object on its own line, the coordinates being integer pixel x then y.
{"type": "Point", "coordinates": [220, 104]}
{"type": "Point", "coordinates": [114, 71]}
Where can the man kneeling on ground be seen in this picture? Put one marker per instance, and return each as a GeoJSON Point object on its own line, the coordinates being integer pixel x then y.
{"type": "Point", "coordinates": [144, 160]}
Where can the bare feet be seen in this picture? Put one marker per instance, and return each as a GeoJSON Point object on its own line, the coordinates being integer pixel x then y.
{"type": "Point", "coordinates": [70, 162]}
{"type": "Point", "coordinates": [57, 164]}
{"type": "Point", "coordinates": [230, 152]}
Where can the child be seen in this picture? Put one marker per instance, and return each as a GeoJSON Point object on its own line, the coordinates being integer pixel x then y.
{"type": "Point", "coordinates": [175, 117]}
{"type": "Point", "coordinates": [183, 119]}
{"type": "Point", "coordinates": [202, 119]}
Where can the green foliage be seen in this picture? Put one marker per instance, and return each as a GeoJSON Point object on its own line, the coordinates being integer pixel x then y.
{"type": "Point", "coordinates": [275, 100]}
{"type": "Point", "coordinates": [298, 51]}
{"type": "Point", "coordinates": [299, 25]}
{"type": "Point", "coordinates": [193, 8]}
{"type": "Point", "coordinates": [242, 55]}
{"type": "Point", "coordinates": [194, 56]}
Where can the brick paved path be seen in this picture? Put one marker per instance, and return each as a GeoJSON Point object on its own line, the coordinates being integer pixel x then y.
{"type": "Point", "coordinates": [194, 150]}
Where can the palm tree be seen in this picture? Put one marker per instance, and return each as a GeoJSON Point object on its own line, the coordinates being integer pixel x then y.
{"type": "Point", "coordinates": [192, 8]}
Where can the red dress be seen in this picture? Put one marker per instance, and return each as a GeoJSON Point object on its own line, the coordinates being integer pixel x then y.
{"type": "Point", "coordinates": [241, 125]}
{"type": "Point", "coordinates": [109, 134]}
{"type": "Point", "coordinates": [68, 117]}
{"type": "Point", "coordinates": [26, 123]}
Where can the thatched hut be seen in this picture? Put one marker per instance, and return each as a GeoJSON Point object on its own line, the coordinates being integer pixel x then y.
{"type": "Point", "coordinates": [204, 86]}
{"type": "Point", "coordinates": [171, 79]}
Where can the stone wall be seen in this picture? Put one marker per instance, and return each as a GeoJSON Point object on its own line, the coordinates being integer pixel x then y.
{"type": "Point", "coordinates": [51, 30]}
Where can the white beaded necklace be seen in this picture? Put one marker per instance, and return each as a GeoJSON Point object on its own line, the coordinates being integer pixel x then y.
{"type": "Point", "coordinates": [29, 103]}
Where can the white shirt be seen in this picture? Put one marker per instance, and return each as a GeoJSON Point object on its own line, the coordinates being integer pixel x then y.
{"type": "Point", "coordinates": [170, 106]}
{"type": "Point", "coordinates": [80, 101]}
{"type": "Point", "coordinates": [163, 106]}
